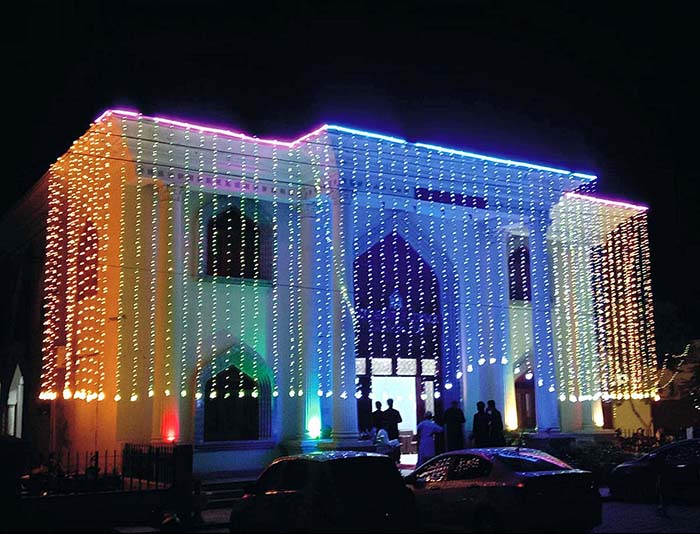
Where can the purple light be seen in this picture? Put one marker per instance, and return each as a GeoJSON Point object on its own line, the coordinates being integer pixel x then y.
{"type": "Point", "coordinates": [337, 128]}
{"type": "Point", "coordinates": [213, 130]}
{"type": "Point", "coordinates": [607, 201]}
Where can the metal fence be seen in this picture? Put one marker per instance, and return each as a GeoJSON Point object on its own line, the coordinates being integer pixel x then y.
{"type": "Point", "coordinates": [135, 467]}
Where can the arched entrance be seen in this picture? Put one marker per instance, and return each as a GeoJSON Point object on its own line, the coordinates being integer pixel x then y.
{"type": "Point", "coordinates": [236, 400]}
{"type": "Point", "coordinates": [231, 407]}
{"type": "Point", "coordinates": [399, 348]}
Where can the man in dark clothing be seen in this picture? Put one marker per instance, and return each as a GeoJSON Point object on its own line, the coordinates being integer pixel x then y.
{"type": "Point", "coordinates": [392, 418]}
{"type": "Point", "coordinates": [480, 426]}
{"type": "Point", "coordinates": [496, 438]}
{"type": "Point", "coordinates": [454, 421]}
{"type": "Point", "coordinates": [378, 417]}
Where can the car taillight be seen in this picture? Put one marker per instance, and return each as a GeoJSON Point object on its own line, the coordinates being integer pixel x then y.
{"type": "Point", "coordinates": [520, 485]}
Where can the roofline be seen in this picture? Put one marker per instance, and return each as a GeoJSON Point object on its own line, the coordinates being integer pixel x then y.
{"type": "Point", "coordinates": [344, 129]}
{"type": "Point", "coordinates": [608, 201]}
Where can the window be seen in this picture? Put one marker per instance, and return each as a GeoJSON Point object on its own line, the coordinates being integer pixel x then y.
{"type": "Point", "coordinates": [683, 453]}
{"type": "Point", "coordinates": [231, 412]}
{"type": "Point", "coordinates": [238, 246]}
{"type": "Point", "coordinates": [526, 463]}
{"type": "Point", "coordinates": [519, 273]}
{"type": "Point", "coordinates": [272, 478]}
{"type": "Point", "coordinates": [296, 475]}
{"type": "Point", "coordinates": [436, 471]}
{"type": "Point", "coordinates": [468, 467]}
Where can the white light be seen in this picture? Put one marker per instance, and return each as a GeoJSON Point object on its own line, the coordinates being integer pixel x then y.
{"type": "Point", "coordinates": [528, 376]}
{"type": "Point", "coordinates": [437, 395]}
{"type": "Point", "coordinates": [459, 375]}
{"type": "Point", "coordinates": [492, 360]}
{"type": "Point", "coordinates": [516, 370]}
{"type": "Point", "coordinates": [319, 393]}
{"type": "Point", "coordinates": [551, 388]}
{"type": "Point", "coordinates": [291, 393]}
{"type": "Point", "coordinates": [540, 382]}
{"type": "Point", "coordinates": [504, 360]}
{"type": "Point", "coordinates": [572, 398]}
{"type": "Point", "coordinates": [470, 368]}
{"type": "Point", "coordinates": [562, 397]}
{"type": "Point", "coordinates": [358, 394]}
{"type": "Point", "coordinates": [481, 361]}
{"type": "Point", "coordinates": [448, 385]}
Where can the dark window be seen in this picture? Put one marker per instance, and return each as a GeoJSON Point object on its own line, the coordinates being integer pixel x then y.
{"type": "Point", "coordinates": [296, 475]}
{"type": "Point", "coordinates": [468, 467]}
{"type": "Point", "coordinates": [519, 273]}
{"type": "Point", "coordinates": [365, 477]}
{"type": "Point", "coordinates": [523, 463]}
{"type": "Point", "coordinates": [272, 478]}
{"type": "Point", "coordinates": [238, 247]}
{"type": "Point", "coordinates": [87, 262]}
{"type": "Point", "coordinates": [683, 453]}
{"type": "Point", "coordinates": [436, 471]}
{"type": "Point", "coordinates": [448, 197]}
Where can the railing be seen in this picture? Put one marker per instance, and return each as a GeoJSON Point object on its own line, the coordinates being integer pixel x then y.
{"type": "Point", "coordinates": [134, 468]}
{"type": "Point", "coordinates": [148, 466]}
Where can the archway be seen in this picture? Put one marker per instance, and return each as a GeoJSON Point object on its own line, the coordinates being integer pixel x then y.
{"type": "Point", "coordinates": [240, 380]}
{"type": "Point", "coordinates": [15, 405]}
{"type": "Point", "coordinates": [399, 332]}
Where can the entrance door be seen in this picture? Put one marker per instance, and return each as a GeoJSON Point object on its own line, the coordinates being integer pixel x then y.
{"type": "Point", "coordinates": [525, 403]}
{"type": "Point", "coordinates": [403, 390]}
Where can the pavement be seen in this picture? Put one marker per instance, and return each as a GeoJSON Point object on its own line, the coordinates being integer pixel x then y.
{"type": "Point", "coordinates": [618, 517]}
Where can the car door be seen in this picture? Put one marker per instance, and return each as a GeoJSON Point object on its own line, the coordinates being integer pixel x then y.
{"type": "Point", "coordinates": [682, 466]}
{"type": "Point", "coordinates": [427, 484]}
{"type": "Point", "coordinates": [467, 486]}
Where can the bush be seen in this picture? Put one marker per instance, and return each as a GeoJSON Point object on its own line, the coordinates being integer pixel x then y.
{"type": "Point", "coordinates": [598, 457]}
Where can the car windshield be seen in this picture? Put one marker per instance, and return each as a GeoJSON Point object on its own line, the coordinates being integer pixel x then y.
{"type": "Point", "coordinates": [527, 463]}
{"type": "Point", "coordinates": [365, 478]}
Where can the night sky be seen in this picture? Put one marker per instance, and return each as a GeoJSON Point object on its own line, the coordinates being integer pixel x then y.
{"type": "Point", "coordinates": [600, 88]}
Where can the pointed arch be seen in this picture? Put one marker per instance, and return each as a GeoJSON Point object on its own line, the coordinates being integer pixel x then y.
{"type": "Point", "coordinates": [244, 359]}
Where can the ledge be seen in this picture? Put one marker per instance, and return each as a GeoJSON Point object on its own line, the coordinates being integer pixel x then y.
{"type": "Point", "coordinates": [216, 446]}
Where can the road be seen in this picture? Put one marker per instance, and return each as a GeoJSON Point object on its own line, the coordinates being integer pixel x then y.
{"type": "Point", "coordinates": [618, 517]}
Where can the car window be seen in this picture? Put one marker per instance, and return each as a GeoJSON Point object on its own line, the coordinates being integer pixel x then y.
{"type": "Point", "coordinates": [527, 463]}
{"type": "Point", "coordinates": [365, 478]}
{"type": "Point", "coordinates": [271, 479]}
{"type": "Point", "coordinates": [296, 475]}
{"type": "Point", "coordinates": [435, 471]}
{"type": "Point", "coordinates": [683, 453]}
{"type": "Point", "coordinates": [469, 466]}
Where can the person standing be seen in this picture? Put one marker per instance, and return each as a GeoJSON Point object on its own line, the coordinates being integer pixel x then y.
{"type": "Point", "coordinates": [377, 417]}
{"type": "Point", "coordinates": [391, 420]}
{"type": "Point", "coordinates": [426, 442]}
{"type": "Point", "coordinates": [496, 437]}
{"type": "Point", "coordinates": [480, 426]}
{"type": "Point", "coordinates": [454, 427]}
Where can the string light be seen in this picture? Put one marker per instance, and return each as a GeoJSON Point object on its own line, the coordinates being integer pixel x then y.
{"type": "Point", "coordinates": [598, 342]}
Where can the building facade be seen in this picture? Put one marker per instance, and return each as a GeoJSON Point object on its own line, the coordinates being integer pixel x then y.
{"type": "Point", "coordinates": [251, 296]}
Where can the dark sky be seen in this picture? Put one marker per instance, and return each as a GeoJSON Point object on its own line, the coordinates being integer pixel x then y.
{"type": "Point", "coordinates": [604, 88]}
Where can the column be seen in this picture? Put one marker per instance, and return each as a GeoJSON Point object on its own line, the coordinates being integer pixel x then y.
{"type": "Point", "coordinates": [173, 407]}
{"type": "Point", "coordinates": [309, 413]}
{"type": "Point", "coordinates": [468, 296]}
{"type": "Point", "coordinates": [344, 402]}
{"type": "Point", "coordinates": [546, 401]}
{"type": "Point", "coordinates": [504, 356]}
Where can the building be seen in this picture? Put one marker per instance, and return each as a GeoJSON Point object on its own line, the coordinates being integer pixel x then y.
{"type": "Point", "coordinates": [252, 296]}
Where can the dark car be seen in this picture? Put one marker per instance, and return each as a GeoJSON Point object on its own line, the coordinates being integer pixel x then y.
{"type": "Point", "coordinates": [675, 466]}
{"type": "Point", "coordinates": [504, 489]}
{"type": "Point", "coordinates": [327, 491]}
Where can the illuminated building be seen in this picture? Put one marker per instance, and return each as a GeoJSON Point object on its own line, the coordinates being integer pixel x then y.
{"type": "Point", "coordinates": [237, 293]}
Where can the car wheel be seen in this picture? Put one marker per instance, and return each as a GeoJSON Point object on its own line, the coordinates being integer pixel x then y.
{"type": "Point", "coordinates": [487, 520]}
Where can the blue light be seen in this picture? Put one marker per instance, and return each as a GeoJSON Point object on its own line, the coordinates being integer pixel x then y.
{"type": "Point", "coordinates": [504, 161]}
{"type": "Point", "coordinates": [365, 134]}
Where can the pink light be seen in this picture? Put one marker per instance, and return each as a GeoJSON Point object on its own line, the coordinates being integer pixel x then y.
{"type": "Point", "coordinates": [214, 130]}
{"type": "Point", "coordinates": [607, 201]}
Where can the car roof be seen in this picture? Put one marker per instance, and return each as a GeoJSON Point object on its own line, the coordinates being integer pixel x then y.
{"type": "Point", "coordinates": [673, 444]}
{"type": "Point", "coordinates": [490, 452]}
{"type": "Point", "coordinates": [327, 456]}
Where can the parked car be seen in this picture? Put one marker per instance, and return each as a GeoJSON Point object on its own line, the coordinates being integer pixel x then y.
{"type": "Point", "coordinates": [327, 491]}
{"type": "Point", "coordinates": [677, 463]}
{"type": "Point", "coordinates": [504, 489]}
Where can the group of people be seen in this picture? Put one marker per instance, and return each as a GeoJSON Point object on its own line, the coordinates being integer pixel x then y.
{"type": "Point", "coordinates": [487, 430]}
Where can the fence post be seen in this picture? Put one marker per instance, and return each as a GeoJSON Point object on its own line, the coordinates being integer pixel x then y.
{"type": "Point", "coordinates": [182, 482]}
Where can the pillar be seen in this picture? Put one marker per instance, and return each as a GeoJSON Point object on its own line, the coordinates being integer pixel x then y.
{"type": "Point", "coordinates": [343, 340]}
{"type": "Point", "coordinates": [546, 401]}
